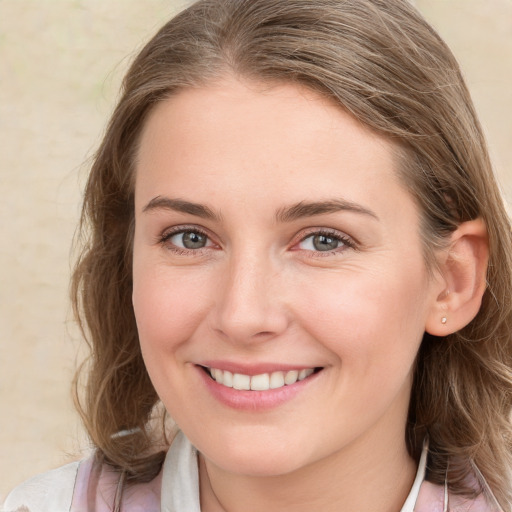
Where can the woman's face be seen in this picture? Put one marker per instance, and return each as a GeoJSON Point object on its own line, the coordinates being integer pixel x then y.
{"type": "Point", "coordinates": [274, 243]}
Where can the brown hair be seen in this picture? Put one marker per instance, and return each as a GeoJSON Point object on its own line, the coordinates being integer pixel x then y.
{"type": "Point", "coordinates": [381, 61]}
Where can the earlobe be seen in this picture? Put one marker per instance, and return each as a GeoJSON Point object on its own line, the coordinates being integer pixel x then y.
{"type": "Point", "coordinates": [463, 275]}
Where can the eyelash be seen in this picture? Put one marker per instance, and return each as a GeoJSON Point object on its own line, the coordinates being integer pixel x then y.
{"type": "Point", "coordinates": [345, 241]}
{"type": "Point", "coordinates": [168, 234]}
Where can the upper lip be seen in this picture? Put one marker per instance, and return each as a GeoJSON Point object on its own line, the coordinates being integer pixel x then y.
{"type": "Point", "coordinates": [255, 368]}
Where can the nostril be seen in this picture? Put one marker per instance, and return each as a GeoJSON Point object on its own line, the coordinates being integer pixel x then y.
{"type": "Point", "coordinates": [264, 334]}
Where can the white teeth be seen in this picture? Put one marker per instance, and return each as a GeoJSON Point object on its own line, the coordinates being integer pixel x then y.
{"type": "Point", "coordinates": [276, 380]}
{"type": "Point", "coordinates": [291, 377]}
{"type": "Point", "coordinates": [228, 379]}
{"type": "Point", "coordinates": [262, 382]}
{"type": "Point", "coordinates": [305, 373]}
{"type": "Point", "coordinates": [241, 381]}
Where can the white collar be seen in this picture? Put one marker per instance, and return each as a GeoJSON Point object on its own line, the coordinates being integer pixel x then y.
{"type": "Point", "coordinates": [420, 476]}
{"type": "Point", "coordinates": [180, 478]}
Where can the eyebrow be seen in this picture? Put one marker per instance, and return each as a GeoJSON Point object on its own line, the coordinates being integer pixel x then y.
{"type": "Point", "coordinates": [287, 214]}
{"type": "Point", "coordinates": [310, 209]}
{"type": "Point", "coordinates": [182, 206]}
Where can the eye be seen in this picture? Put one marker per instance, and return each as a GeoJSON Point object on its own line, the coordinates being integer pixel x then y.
{"type": "Point", "coordinates": [187, 239]}
{"type": "Point", "coordinates": [324, 242]}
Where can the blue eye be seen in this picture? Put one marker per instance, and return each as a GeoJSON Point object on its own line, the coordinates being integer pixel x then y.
{"type": "Point", "coordinates": [187, 239]}
{"type": "Point", "coordinates": [323, 242]}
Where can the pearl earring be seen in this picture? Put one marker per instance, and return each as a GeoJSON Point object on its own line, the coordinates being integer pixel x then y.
{"type": "Point", "coordinates": [444, 320]}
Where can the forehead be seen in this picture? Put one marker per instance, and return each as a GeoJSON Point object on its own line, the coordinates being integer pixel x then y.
{"type": "Point", "coordinates": [256, 140]}
{"type": "Point", "coordinates": [270, 108]}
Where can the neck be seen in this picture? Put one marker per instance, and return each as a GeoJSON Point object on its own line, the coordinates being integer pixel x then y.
{"type": "Point", "coordinates": [371, 475]}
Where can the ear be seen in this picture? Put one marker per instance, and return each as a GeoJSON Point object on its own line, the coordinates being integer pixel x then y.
{"type": "Point", "coordinates": [463, 270]}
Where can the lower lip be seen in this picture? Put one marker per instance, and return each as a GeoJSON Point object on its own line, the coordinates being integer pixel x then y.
{"type": "Point", "coordinates": [255, 400]}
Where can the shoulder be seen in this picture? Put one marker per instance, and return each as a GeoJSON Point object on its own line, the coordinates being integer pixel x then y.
{"type": "Point", "coordinates": [78, 485]}
{"type": "Point", "coordinates": [81, 486]}
{"type": "Point", "coordinates": [435, 498]}
{"type": "Point", "coordinates": [48, 492]}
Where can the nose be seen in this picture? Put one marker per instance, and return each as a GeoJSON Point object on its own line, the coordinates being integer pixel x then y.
{"type": "Point", "coordinates": [250, 305]}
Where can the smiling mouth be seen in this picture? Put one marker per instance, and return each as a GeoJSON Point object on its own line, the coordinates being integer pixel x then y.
{"type": "Point", "coordinates": [261, 382]}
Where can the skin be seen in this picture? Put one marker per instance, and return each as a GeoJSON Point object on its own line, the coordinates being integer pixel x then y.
{"type": "Point", "coordinates": [260, 292]}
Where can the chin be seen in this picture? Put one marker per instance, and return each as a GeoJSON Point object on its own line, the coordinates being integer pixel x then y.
{"type": "Point", "coordinates": [253, 459]}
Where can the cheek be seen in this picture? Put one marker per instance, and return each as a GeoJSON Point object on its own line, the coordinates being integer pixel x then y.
{"type": "Point", "coordinates": [167, 307]}
{"type": "Point", "coordinates": [369, 320]}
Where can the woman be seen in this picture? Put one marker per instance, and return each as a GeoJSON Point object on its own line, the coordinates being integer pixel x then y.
{"type": "Point", "coordinates": [296, 245]}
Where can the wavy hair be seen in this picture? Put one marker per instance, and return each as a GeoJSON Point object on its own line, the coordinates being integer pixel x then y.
{"type": "Point", "coordinates": [382, 62]}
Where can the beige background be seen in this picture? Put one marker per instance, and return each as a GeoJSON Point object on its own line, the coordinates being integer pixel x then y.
{"type": "Point", "coordinates": [60, 66]}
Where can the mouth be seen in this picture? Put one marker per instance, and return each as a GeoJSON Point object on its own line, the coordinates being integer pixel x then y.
{"type": "Point", "coordinates": [260, 382]}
